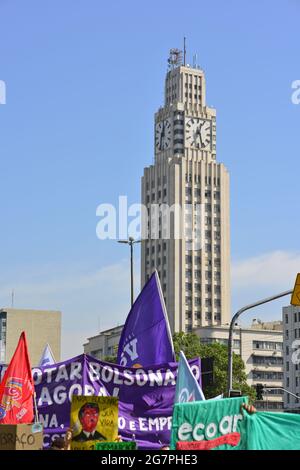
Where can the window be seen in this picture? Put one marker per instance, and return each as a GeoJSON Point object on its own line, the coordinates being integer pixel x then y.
{"type": "Point", "coordinates": [267, 345]}
{"type": "Point", "coordinates": [287, 351]}
{"type": "Point", "coordinates": [287, 334]}
{"type": "Point", "coordinates": [286, 318]}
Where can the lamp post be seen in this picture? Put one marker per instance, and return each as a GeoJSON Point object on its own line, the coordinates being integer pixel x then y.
{"type": "Point", "coordinates": [131, 241]}
{"type": "Point", "coordinates": [232, 325]}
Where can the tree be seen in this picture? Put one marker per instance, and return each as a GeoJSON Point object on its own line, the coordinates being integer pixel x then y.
{"type": "Point", "coordinates": [190, 344]}
{"type": "Point", "coordinates": [111, 359]}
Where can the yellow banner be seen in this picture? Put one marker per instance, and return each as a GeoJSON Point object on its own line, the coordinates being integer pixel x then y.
{"type": "Point", "coordinates": [93, 419]}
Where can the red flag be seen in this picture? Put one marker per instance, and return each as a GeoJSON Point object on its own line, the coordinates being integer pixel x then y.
{"type": "Point", "coordinates": [16, 388]}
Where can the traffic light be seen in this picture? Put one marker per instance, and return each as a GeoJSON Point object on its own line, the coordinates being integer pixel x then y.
{"type": "Point", "coordinates": [207, 371]}
{"type": "Point", "coordinates": [259, 391]}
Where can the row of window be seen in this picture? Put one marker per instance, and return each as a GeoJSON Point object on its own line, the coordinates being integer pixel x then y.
{"type": "Point", "coordinates": [197, 301]}
{"type": "Point", "coordinates": [268, 360]}
{"type": "Point", "coordinates": [236, 342]}
{"type": "Point", "coordinates": [197, 179]}
{"type": "Point", "coordinates": [268, 345]}
{"type": "Point", "coordinates": [265, 375]}
{"type": "Point", "coordinates": [197, 272]}
{"type": "Point", "coordinates": [195, 86]}
{"type": "Point", "coordinates": [190, 95]}
{"type": "Point", "coordinates": [197, 192]}
{"type": "Point", "coordinates": [197, 260]}
{"type": "Point", "coordinates": [208, 302]}
{"type": "Point", "coordinates": [208, 288]}
{"type": "Point", "coordinates": [158, 248]}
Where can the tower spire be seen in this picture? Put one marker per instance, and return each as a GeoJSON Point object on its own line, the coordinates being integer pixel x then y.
{"type": "Point", "coordinates": [184, 51]}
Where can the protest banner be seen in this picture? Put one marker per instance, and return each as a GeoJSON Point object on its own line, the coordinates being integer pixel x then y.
{"type": "Point", "coordinates": [267, 430]}
{"type": "Point", "coordinates": [206, 420]}
{"type": "Point", "coordinates": [146, 396]}
{"type": "Point", "coordinates": [93, 419]}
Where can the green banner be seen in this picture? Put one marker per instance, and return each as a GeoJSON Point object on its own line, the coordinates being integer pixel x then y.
{"type": "Point", "coordinates": [207, 420]}
{"type": "Point", "coordinates": [131, 445]}
{"type": "Point", "coordinates": [271, 431]}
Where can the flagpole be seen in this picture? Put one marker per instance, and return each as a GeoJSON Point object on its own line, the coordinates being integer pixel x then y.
{"type": "Point", "coordinates": [36, 410]}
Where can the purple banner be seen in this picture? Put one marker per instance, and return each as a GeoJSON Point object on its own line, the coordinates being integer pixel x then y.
{"type": "Point", "coordinates": [146, 396]}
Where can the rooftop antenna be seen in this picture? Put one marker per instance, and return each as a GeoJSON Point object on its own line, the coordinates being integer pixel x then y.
{"type": "Point", "coordinates": [195, 60]}
{"type": "Point", "coordinates": [12, 298]}
{"type": "Point", "coordinates": [184, 50]}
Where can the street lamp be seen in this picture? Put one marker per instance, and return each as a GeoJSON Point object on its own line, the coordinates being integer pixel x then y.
{"type": "Point", "coordinates": [131, 241]}
{"type": "Point", "coordinates": [232, 325]}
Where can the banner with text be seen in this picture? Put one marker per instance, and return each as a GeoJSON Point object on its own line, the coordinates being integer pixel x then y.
{"type": "Point", "coordinates": [207, 420]}
{"type": "Point", "coordinates": [146, 396]}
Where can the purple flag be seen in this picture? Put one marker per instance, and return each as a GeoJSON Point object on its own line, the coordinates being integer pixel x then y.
{"type": "Point", "coordinates": [146, 337]}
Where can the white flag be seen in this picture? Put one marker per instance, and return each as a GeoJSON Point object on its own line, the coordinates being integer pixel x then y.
{"type": "Point", "coordinates": [47, 358]}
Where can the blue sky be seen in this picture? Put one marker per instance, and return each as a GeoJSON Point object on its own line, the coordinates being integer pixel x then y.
{"type": "Point", "coordinates": [83, 81]}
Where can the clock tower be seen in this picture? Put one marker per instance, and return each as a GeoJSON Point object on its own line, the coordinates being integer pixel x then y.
{"type": "Point", "coordinates": [195, 279]}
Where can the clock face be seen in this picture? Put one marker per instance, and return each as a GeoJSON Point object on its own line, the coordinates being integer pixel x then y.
{"type": "Point", "coordinates": [198, 133]}
{"type": "Point", "coordinates": [163, 135]}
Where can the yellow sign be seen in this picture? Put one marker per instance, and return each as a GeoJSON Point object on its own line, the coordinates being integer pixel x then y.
{"type": "Point", "coordinates": [295, 300]}
{"type": "Point", "coordinates": [93, 419]}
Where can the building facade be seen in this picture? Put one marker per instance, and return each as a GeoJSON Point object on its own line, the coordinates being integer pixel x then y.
{"type": "Point", "coordinates": [41, 327]}
{"type": "Point", "coordinates": [104, 344]}
{"type": "Point", "coordinates": [291, 350]}
{"type": "Point", "coordinates": [190, 249]}
{"type": "Point", "coordinates": [261, 348]}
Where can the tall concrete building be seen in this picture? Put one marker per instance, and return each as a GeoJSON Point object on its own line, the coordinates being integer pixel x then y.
{"type": "Point", "coordinates": [41, 327]}
{"type": "Point", "coordinates": [291, 349]}
{"type": "Point", "coordinates": [195, 279]}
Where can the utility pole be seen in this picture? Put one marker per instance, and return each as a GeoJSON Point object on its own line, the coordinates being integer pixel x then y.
{"type": "Point", "coordinates": [131, 241]}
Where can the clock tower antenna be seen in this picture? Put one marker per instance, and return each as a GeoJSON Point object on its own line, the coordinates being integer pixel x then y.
{"type": "Point", "coordinates": [184, 50]}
